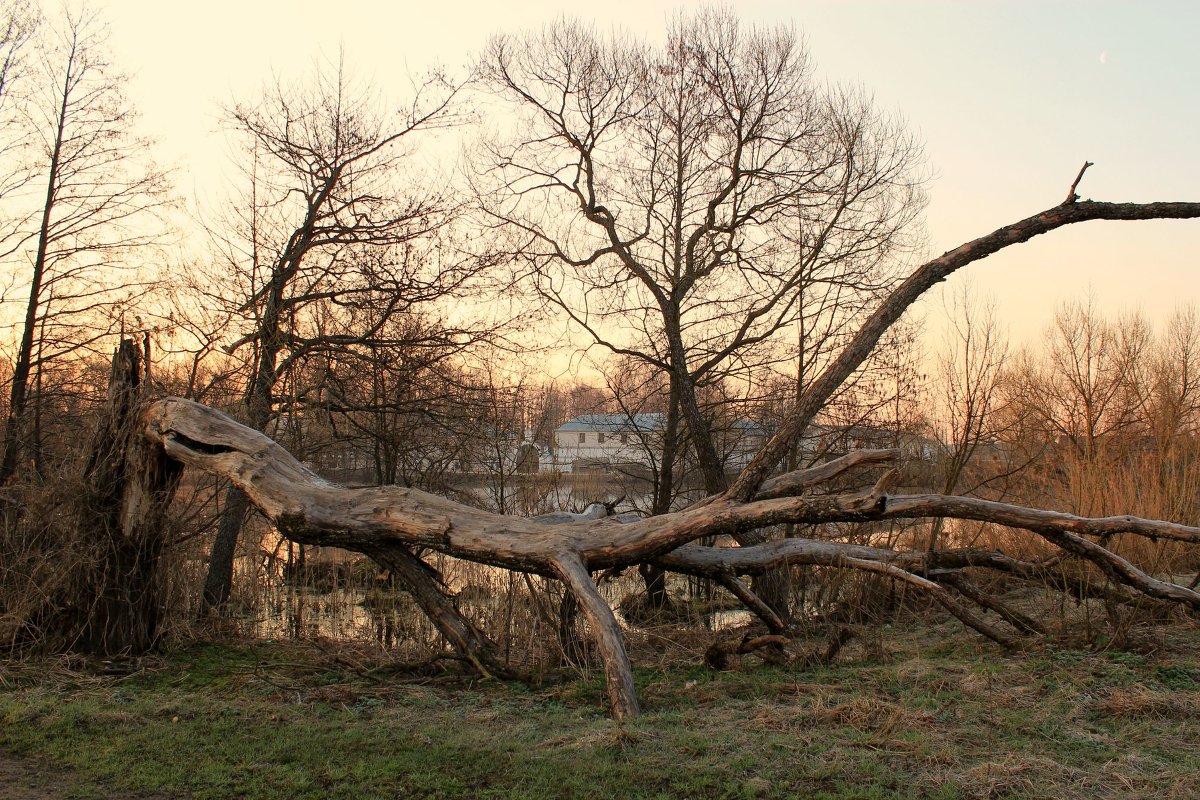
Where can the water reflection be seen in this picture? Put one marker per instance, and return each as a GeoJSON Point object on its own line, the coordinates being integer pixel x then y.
{"type": "Point", "coordinates": [388, 617]}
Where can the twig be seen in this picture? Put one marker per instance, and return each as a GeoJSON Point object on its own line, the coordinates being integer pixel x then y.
{"type": "Point", "coordinates": [1071, 196]}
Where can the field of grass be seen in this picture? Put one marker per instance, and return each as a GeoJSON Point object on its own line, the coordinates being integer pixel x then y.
{"type": "Point", "coordinates": [900, 718]}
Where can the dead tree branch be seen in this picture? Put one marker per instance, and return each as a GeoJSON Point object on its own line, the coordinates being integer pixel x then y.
{"type": "Point", "coordinates": [926, 276]}
{"type": "Point", "coordinates": [1071, 196]}
{"type": "Point", "coordinates": [388, 522]}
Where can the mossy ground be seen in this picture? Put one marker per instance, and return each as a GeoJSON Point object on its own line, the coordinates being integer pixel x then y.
{"type": "Point", "coordinates": [954, 719]}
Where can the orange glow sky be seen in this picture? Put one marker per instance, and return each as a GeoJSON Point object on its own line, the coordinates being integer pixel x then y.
{"type": "Point", "coordinates": [1010, 98]}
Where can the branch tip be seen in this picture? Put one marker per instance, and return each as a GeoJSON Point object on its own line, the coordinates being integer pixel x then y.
{"type": "Point", "coordinates": [1071, 196]}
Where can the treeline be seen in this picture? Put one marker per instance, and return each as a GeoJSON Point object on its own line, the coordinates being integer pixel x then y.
{"type": "Point", "coordinates": [709, 221]}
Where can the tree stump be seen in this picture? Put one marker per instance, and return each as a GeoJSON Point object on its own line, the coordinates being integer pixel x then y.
{"type": "Point", "coordinates": [129, 483]}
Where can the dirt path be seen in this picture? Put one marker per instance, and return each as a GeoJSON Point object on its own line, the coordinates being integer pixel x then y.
{"type": "Point", "coordinates": [22, 779]}
{"type": "Point", "coordinates": [29, 779]}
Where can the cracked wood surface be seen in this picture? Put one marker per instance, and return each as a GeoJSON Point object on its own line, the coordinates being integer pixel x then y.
{"type": "Point", "coordinates": [387, 522]}
{"type": "Point", "coordinates": [311, 510]}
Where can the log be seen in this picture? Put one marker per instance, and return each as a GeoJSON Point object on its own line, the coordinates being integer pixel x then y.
{"type": "Point", "coordinates": [310, 510]}
{"type": "Point", "coordinates": [387, 522]}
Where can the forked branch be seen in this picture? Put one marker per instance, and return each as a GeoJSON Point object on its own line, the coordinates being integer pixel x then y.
{"type": "Point", "coordinates": [380, 520]}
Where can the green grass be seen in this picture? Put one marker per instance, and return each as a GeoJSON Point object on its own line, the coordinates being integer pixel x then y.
{"type": "Point", "coordinates": [957, 720]}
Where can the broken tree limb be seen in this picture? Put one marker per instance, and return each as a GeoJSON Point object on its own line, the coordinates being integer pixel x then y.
{"type": "Point", "coordinates": [481, 652]}
{"type": "Point", "coordinates": [793, 483]}
{"type": "Point", "coordinates": [1055, 527]}
{"type": "Point", "coordinates": [752, 601]}
{"type": "Point", "coordinates": [311, 510]}
{"type": "Point", "coordinates": [1062, 530]}
{"type": "Point", "coordinates": [940, 594]}
{"type": "Point", "coordinates": [893, 307]}
{"type": "Point", "coordinates": [1071, 196]}
{"type": "Point", "coordinates": [618, 672]}
{"type": "Point", "coordinates": [715, 562]}
{"type": "Point", "coordinates": [1022, 622]}
{"type": "Point", "coordinates": [710, 562]}
{"type": "Point", "coordinates": [1035, 519]}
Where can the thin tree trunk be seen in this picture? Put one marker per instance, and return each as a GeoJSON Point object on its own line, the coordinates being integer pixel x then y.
{"type": "Point", "coordinates": [14, 425]}
{"type": "Point", "coordinates": [654, 577]}
{"type": "Point", "coordinates": [218, 583]}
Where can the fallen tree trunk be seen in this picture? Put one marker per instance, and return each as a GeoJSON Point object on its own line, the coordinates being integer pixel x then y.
{"type": "Point", "coordinates": [387, 522]}
{"type": "Point", "coordinates": [390, 523]}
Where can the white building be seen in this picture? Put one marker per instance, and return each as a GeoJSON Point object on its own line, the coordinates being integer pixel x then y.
{"type": "Point", "coordinates": [607, 441]}
{"type": "Point", "coordinates": [633, 442]}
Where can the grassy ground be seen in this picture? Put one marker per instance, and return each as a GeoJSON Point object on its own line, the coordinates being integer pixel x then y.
{"type": "Point", "coordinates": [901, 719]}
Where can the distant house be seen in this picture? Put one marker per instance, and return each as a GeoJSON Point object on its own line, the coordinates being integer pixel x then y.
{"type": "Point", "coordinates": [633, 442]}
{"type": "Point", "coordinates": [601, 442]}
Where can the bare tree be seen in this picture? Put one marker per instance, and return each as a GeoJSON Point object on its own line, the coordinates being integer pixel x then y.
{"type": "Point", "coordinates": [396, 399]}
{"type": "Point", "coordinates": [1080, 391]}
{"type": "Point", "coordinates": [333, 224]}
{"type": "Point", "coordinates": [96, 212]}
{"type": "Point", "coordinates": [1171, 400]}
{"type": "Point", "coordinates": [969, 375]}
{"type": "Point", "coordinates": [1109, 397]}
{"type": "Point", "coordinates": [16, 28]}
{"type": "Point", "coordinates": [18, 23]}
{"type": "Point", "coordinates": [684, 205]}
{"type": "Point", "coordinates": [688, 194]}
{"type": "Point", "coordinates": [387, 521]}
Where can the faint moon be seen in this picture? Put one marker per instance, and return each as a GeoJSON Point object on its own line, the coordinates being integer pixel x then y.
{"type": "Point", "coordinates": [1103, 56]}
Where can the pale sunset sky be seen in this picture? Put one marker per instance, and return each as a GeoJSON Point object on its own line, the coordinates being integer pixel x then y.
{"type": "Point", "coordinates": [1010, 97]}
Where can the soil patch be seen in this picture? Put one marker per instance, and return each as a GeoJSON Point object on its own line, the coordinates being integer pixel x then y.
{"type": "Point", "coordinates": [26, 779]}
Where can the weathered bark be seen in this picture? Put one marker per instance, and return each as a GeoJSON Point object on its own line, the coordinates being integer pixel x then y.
{"type": "Point", "coordinates": [382, 521]}
{"type": "Point", "coordinates": [793, 483]}
{"type": "Point", "coordinates": [129, 486]}
{"type": "Point", "coordinates": [1052, 526]}
{"type": "Point", "coordinates": [310, 510]}
{"type": "Point", "coordinates": [618, 672]}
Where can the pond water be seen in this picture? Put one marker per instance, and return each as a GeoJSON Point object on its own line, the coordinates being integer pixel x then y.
{"type": "Point", "coordinates": [343, 596]}
{"type": "Point", "coordinates": [388, 617]}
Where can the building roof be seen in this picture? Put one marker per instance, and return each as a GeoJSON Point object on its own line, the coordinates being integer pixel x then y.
{"type": "Point", "coordinates": [613, 423]}
{"type": "Point", "coordinates": [616, 423]}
